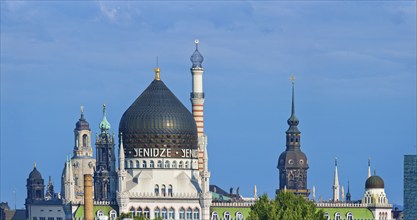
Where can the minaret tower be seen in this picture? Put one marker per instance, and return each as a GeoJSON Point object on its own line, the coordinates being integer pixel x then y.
{"type": "Point", "coordinates": [197, 100]}
{"type": "Point", "coordinates": [336, 193]}
{"type": "Point", "coordinates": [293, 163]}
{"type": "Point", "coordinates": [105, 178]}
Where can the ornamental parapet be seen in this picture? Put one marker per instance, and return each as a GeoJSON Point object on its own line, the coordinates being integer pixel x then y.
{"type": "Point", "coordinates": [233, 204]}
{"type": "Point", "coordinates": [348, 205]}
{"type": "Point", "coordinates": [161, 195]}
{"type": "Point", "coordinates": [98, 203]}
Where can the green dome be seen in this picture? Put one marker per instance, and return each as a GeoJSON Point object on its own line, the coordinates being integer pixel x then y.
{"type": "Point", "coordinates": [104, 124]}
{"type": "Point", "coordinates": [374, 182]}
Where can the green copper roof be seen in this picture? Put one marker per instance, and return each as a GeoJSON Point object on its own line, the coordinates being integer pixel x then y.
{"type": "Point", "coordinates": [104, 124]}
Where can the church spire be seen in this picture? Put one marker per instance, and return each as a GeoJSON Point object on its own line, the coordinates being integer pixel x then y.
{"type": "Point", "coordinates": [336, 183]}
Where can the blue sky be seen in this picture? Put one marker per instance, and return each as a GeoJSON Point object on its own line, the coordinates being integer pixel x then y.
{"type": "Point", "coordinates": [355, 64]}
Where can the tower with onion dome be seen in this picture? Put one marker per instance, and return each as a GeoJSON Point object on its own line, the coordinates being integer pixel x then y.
{"type": "Point", "coordinates": [293, 163]}
{"type": "Point", "coordinates": [105, 178]}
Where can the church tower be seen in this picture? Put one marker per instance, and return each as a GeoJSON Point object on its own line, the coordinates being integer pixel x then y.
{"type": "Point", "coordinates": [82, 162]}
{"type": "Point", "coordinates": [293, 163]}
{"type": "Point", "coordinates": [105, 174]}
{"type": "Point", "coordinates": [35, 186]}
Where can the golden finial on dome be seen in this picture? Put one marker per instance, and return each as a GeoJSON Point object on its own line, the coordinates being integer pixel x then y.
{"type": "Point", "coordinates": [34, 165]}
{"type": "Point", "coordinates": [157, 70]}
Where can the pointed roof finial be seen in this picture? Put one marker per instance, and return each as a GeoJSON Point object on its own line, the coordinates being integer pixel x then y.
{"type": "Point", "coordinates": [82, 111]}
{"type": "Point", "coordinates": [104, 124]}
{"type": "Point", "coordinates": [369, 167]}
{"type": "Point", "coordinates": [157, 70]}
{"type": "Point", "coordinates": [335, 161]}
{"type": "Point", "coordinates": [292, 78]}
{"type": "Point", "coordinates": [34, 165]}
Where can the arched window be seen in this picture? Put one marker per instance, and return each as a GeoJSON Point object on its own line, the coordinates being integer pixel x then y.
{"type": "Point", "coordinates": [113, 215]}
{"type": "Point", "coordinates": [182, 213]}
{"type": "Point", "coordinates": [171, 213]}
{"type": "Point", "coordinates": [139, 212]}
{"type": "Point", "coordinates": [196, 214]}
{"type": "Point", "coordinates": [85, 140]}
{"type": "Point", "coordinates": [180, 164]}
{"type": "Point", "coordinates": [130, 164]}
{"type": "Point", "coordinates": [174, 164]}
{"type": "Point", "coordinates": [156, 190]}
{"type": "Point", "coordinates": [214, 216]}
{"type": "Point", "coordinates": [151, 164]}
{"type": "Point", "coordinates": [189, 214]}
{"type": "Point", "coordinates": [159, 164]}
{"type": "Point", "coordinates": [157, 212]}
{"type": "Point", "coordinates": [164, 213]}
{"type": "Point", "coordinates": [226, 216]}
{"type": "Point", "coordinates": [349, 216]}
{"type": "Point", "coordinates": [167, 164]}
{"type": "Point", "coordinates": [146, 213]}
{"type": "Point", "coordinates": [187, 164]}
{"type": "Point", "coordinates": [132, 212]}
{"type": "Point", "coordinates": [337, 216]}
{"type": "Point", "coordinates": [326, 216]}
{"type": "Point", "coordinates": [239, 216]}
{"type": "Point", "coordinates": [144, 164]}
{"type": "Point", "coordinates": [99, 213]}
{"type": "Point", "coordinates": [137, 164]}
{"type": "Point", "coordinates": [170, 190]}
{"type": "Point", "coordinates": [163, 190]}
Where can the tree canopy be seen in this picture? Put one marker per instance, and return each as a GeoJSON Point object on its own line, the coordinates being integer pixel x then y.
{"type": "Point", "coordinates": [285, 206]}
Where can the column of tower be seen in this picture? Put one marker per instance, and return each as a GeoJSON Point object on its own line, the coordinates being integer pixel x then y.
{"type": "Point", "coordinates": [197, 100]}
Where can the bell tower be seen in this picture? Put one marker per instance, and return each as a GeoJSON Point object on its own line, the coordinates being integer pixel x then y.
{"type": "Point", "coordinates": [293, 163]}
{"type": "Point", "coordinates": [105, 174]}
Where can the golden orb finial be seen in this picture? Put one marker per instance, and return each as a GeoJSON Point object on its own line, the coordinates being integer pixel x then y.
{"type": "Point", "coordinates": [157, 73]}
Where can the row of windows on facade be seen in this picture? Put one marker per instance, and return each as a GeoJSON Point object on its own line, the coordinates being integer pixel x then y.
{"type": "Point", "coordinates": [164, 213]}
{"type": "Point", "coordinates": [163, 190]}
{"type": "Point", "coordinates": [338, 216]}
{"type": "Point", "coordinates": [227, 216]}
{"type": "Point", "coordinates": [47, 218]}
{"type": "Point", "coordinates": [167, 164]}
{"type": "Point", "coordinates": [370, 199]}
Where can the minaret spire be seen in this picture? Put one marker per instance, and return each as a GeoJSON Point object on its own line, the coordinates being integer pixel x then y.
{"type": "Point", "coordinates": [336, 183]}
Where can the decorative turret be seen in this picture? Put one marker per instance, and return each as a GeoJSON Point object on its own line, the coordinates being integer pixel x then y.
{"type": "Point", "coordinates": [336, 183]}
{"type": "Point", "coordinates": [293, 163]}
{"type": "Point", "coordinates": [348, 196]}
